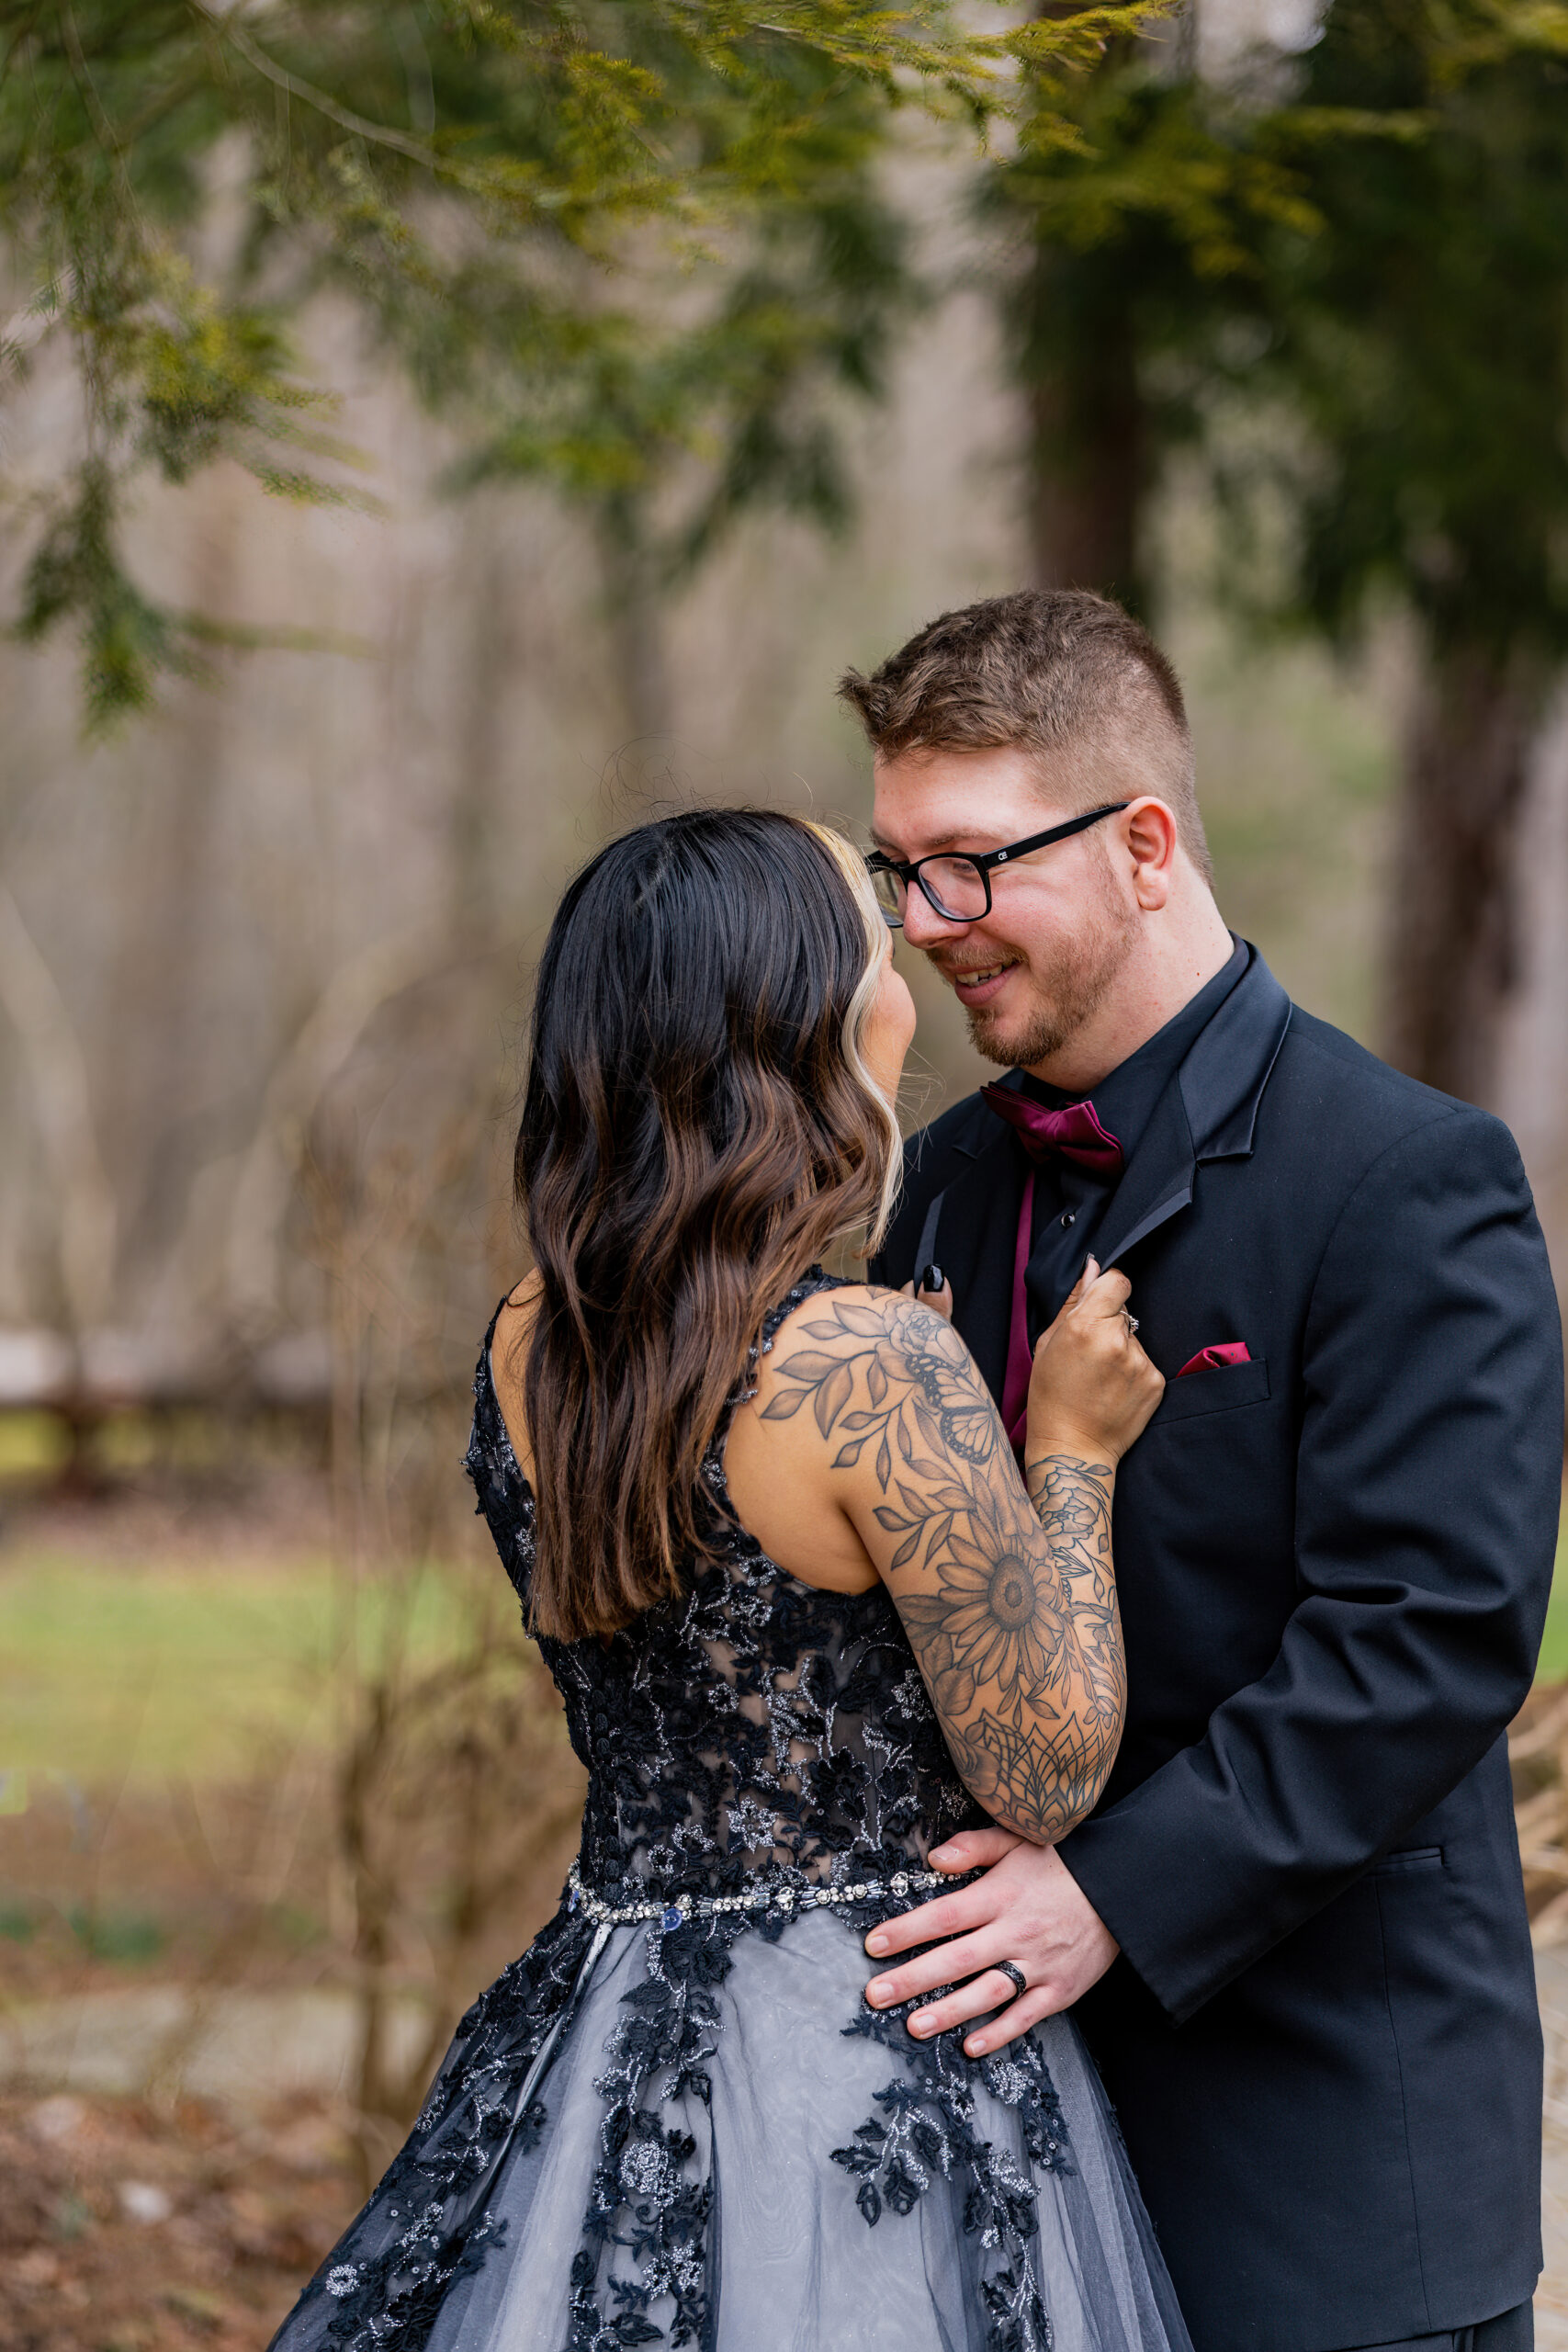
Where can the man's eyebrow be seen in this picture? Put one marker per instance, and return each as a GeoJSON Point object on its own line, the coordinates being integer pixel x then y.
{"type": "Point", "coordinates": [943, 841]}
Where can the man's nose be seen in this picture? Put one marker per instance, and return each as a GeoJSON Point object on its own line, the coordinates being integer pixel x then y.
{"type": "Point", "coordinates": [923, 927]}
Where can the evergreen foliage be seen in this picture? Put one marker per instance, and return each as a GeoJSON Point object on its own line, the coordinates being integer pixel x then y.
{"type": "Point", "coordinates": [1422, 339]}
{"type": "Point", "coordinates": [490, 181]}
{"type": "Point", "coordinates": [1373, 238]}
{"type": "Point", "coordinates": [1148, 252]}
{"type": "Point", "coordinates": [1423, 334]}
{"type": "Point", "coordinates": [1345, 281]}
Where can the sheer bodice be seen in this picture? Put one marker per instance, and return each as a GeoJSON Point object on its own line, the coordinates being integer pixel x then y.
{"type": "Point", "coordinates": [756, 1728]}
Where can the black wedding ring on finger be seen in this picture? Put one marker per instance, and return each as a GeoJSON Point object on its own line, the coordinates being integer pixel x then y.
{"type": "Point", "coordinates": [1015, 1977]}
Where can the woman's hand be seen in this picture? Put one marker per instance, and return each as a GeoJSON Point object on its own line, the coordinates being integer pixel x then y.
{"type": "Point", "coordinates": [934, 1292]}
{"type": "Point", "coordinates": [1092, 1388]}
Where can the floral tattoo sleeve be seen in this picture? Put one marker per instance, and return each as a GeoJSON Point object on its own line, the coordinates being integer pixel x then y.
{"type": "Point", "coordinates": [1008, 1597]}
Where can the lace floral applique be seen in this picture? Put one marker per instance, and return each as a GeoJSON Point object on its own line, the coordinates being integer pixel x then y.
{"type": "Point", "coordinates": [754, 1726]}
{"type": "Point", "coordinates": [929, 2127]}
{"type": "Point", "coordinates": [428, 2225]}
{"type": "Point", "coordinates": [648, 2199]}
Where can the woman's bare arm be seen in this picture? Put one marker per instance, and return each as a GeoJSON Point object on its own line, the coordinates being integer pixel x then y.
{"type": "Point", "coordinates": [1009, 1596]}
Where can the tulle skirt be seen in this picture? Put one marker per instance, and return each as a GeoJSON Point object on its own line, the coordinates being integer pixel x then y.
{"type": "Point", "coordinates": [706, 2138]}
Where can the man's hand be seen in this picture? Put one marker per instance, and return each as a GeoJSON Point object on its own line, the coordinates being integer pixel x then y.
{"type": "Point", "coordinates": [1028, 1908]}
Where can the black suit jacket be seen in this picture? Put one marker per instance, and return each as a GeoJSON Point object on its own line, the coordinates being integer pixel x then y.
{"type": "Point", "coordinates": [1334, 1562]}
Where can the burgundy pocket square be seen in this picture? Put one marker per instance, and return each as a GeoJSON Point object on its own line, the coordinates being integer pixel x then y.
{"type": "Point", "coordinates": [1222, 1351]}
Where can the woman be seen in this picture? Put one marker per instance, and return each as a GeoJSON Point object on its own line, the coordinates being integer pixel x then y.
{"type": "Point", "coordinates": [808, 1621]}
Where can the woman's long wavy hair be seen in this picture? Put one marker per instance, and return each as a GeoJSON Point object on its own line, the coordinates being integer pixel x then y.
{"type": "Point", "coordinates": [698, 1128]}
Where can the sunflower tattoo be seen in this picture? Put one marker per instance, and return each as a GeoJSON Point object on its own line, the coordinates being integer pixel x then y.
{"type": "Point", "coordinates": [1011, 1610]}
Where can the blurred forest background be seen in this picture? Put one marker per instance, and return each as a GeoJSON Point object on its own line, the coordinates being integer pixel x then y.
{"type": "Point", "coordinates": [435, 436]}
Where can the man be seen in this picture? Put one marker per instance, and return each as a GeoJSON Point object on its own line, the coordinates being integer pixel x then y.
{"type": "Point", "coordinates": [1295, 1928]}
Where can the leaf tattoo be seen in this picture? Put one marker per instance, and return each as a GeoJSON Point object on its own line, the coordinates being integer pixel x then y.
{"type": "Point", "coordinates": [1010, 1609]}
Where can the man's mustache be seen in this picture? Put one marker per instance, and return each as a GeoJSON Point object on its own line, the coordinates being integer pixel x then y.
{"type": "Point", "coordinates": [953, 967]}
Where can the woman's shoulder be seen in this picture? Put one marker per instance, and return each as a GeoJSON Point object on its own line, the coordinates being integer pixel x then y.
{"type": "Point", "coordinates": [863, 1388]}
{"type": "Point", "coordinates": [497, 1460]}
{"type": "Point", "coordinates": [505, 1360]}
{"type": "Point", "coordinates": [856, 1320]}
{"type": "Point", "coordinates": [845, 1352]}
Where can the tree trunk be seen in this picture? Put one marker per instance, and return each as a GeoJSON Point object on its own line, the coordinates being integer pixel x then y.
{"type": "Point", "coordinates": [634, 604]}
{"type": "Point", "coordinates": [160, 1085]}
{"type": "Point", "coordinates": [62, 1106]}
{"type": "Point", "coordinates": [482, 736]}
{"type": "Point", "coordinates": [1089, 450]}
{"type": "Point", "coordinates": [1454, 937]}
{"type": "Point", "coordinates": [1089, 441]}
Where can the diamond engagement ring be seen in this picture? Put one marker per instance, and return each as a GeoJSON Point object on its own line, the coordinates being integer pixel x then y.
{"type": "Point", "coordinates": [1130, 1319]}
{"type": "Point", "coordinates": [1015, 1976]}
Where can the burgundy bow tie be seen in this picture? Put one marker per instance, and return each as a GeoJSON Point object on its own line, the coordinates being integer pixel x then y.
{"type": "Point", "coordinates": [1074, 1133]}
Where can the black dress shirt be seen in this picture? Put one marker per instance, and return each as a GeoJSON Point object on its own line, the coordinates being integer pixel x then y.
{"type": "Point", "coordinates": [1070, 1202]}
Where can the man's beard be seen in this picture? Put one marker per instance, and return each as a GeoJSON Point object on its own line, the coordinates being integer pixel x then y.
{"type": "Point", "coordinates": [1068, 992]}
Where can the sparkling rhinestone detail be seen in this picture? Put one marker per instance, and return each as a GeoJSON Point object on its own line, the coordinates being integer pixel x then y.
{"type": "Point", "coordinates": [776, 1891]}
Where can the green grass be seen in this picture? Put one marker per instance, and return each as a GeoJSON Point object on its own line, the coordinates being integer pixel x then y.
{"type": "Point", "coordinates": [111, 1672]}
{"type": "Point", "coordinates": [1554, 1665]}
{"type": "Point", "coordinates": [131, 1937]}
{"type": "Point", "coordinates": [32, 1444]}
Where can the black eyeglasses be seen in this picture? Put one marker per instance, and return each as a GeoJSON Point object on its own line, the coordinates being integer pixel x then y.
{"type": "Point", "coordinates": [959, 888]}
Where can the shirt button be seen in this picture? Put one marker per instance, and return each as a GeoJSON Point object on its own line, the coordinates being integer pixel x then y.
{"type": "Point", "coordinates": [1070, 1217]}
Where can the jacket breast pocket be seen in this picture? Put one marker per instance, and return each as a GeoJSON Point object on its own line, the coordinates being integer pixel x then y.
{"type": "Point", "coordinates": [1408, 1859]}
{"type": "Point", "coordinates": [1219, 1388]}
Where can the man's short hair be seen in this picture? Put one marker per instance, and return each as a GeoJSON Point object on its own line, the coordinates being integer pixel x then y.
{"type": "Point", "coordinates": [1057, 671]}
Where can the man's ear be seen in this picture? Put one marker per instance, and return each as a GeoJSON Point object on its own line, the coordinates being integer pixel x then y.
{"type": "Point", "coordinates": [1149, 835]}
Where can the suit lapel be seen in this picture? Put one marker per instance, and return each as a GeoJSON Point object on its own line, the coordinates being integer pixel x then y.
{"type": "Point", "coordinates": [1208, 1112]}
{"type": "Point", "coordinates": [1157, 1182]}
{"type": "Point", "coordinates": [975, 1238]}
{"type": "Point", "coordinates": [1223, 1078]}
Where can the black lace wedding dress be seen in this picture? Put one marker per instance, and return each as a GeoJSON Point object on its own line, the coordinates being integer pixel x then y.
{"type": "Point", "coordinates": [674, 2120]}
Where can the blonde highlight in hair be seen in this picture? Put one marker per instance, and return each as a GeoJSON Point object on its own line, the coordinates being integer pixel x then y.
{"type": "Point", "coordinates": [853, 867]}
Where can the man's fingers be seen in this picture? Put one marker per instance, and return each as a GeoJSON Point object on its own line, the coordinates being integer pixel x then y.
{"type": "Point", "coordinates": [982, 1994]}
{"type": "Point", "coordinates": [1040, 2001]}
{"type": "Point", "coordinates": [950, 1964]}
{"type": "Point", "coordinates": [947, 1915]}
{"type": "Point", "coordinates": [973, 1850]}
{"type": "Point", "coordinates": [985, 1993]}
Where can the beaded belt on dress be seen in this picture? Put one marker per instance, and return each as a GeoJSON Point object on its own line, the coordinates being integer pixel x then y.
{"type": "Point", "coordinates": [775, 1897]}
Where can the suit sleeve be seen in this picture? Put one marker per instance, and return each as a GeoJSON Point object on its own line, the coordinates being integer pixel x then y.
{"type": "Point", "coordinates": [1428, 1484]}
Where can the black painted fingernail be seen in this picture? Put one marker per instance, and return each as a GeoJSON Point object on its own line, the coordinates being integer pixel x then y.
{"type": "Point", "coordinates": [932, 1279]}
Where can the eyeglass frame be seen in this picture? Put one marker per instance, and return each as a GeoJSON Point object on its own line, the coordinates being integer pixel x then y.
{"type": "Point", "coordinates": [983, 861]}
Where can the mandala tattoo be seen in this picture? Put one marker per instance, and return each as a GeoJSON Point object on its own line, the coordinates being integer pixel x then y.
{"type": "Point", "coordinates": [1011, 1611]}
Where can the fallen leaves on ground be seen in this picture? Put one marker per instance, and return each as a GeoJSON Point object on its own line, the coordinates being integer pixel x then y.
{"type": "Point", "coordinates": [125, 2229]}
